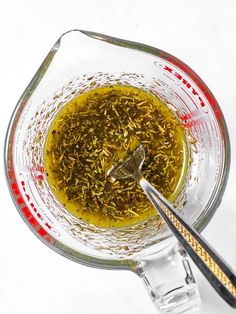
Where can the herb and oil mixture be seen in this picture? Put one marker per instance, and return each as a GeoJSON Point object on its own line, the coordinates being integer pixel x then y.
{"type": "Point", "coordinates": [96, 130]}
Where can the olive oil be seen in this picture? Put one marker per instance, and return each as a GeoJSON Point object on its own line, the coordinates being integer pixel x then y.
{"type": "Point", "coordinates": [97, 129]}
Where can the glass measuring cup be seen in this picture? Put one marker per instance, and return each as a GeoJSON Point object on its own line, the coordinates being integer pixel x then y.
{"type": "Point", "coordinates": [78, 62]}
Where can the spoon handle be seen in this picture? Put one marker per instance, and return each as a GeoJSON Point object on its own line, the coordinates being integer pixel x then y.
{"type": "Point", "coordinates": [217, 272]}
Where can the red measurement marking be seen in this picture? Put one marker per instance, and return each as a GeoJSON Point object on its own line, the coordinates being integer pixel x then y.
{"type": "Point", "coordinates": [186, 83]}
{"type": "Point", "coordinates": [37, 168]}
{"type": "Point", "coordinates": [27, 213]}
{"type": "Point", "coordinates": [42, 232]}
{"type": "Point", "coordinates": [34, 222]}
{"type": "Point", "coordinates": [185, 117]}
{"type": "Point", "coordinates": [20, 200]}
{"type": "Point", "coordinates": [196, 79]}
{"type": "Point", "coordinates": [218, 113]}
{"type": "Point", "coordinates": [193, 123]}
{"type": "Point", "coordinates": [15, 189]}
{"type": "Point", "coordinates": [40, 169]}
{"type": "Point", "coordinates": [40, 177]}
{"type": "Point", "coordinates": [190, 115]}
{"type": "Point", "coordinates": [189, 125]}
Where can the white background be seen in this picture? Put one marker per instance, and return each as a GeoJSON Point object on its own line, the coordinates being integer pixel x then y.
{"type": "Point", "coordinates": [34, 279]}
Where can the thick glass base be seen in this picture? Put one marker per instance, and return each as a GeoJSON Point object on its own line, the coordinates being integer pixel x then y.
{"type": "Point", "coordinates": [176, 299]}
{"type": "Point", "coordinates": [170, 282]}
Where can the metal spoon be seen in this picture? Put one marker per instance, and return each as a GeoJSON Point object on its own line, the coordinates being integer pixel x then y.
{"type": "Point", "coordinates": [217, 272]}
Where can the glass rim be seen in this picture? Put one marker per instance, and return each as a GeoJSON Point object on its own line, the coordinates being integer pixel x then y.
{"type": "Point", "coordinates": [216, 196]}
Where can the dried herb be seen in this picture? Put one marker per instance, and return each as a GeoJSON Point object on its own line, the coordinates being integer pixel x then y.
{"type": "Point", "coordinates": [97, 129]}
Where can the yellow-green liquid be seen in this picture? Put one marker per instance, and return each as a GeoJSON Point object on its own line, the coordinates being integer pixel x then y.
{"type": "Point", "coordinates": [94, 131]}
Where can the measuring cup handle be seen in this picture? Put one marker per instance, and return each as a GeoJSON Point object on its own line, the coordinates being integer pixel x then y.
{"type": "Point", "coordinates": [215, 269]}
{"type": "Point", "coordinates": [169, 280]}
